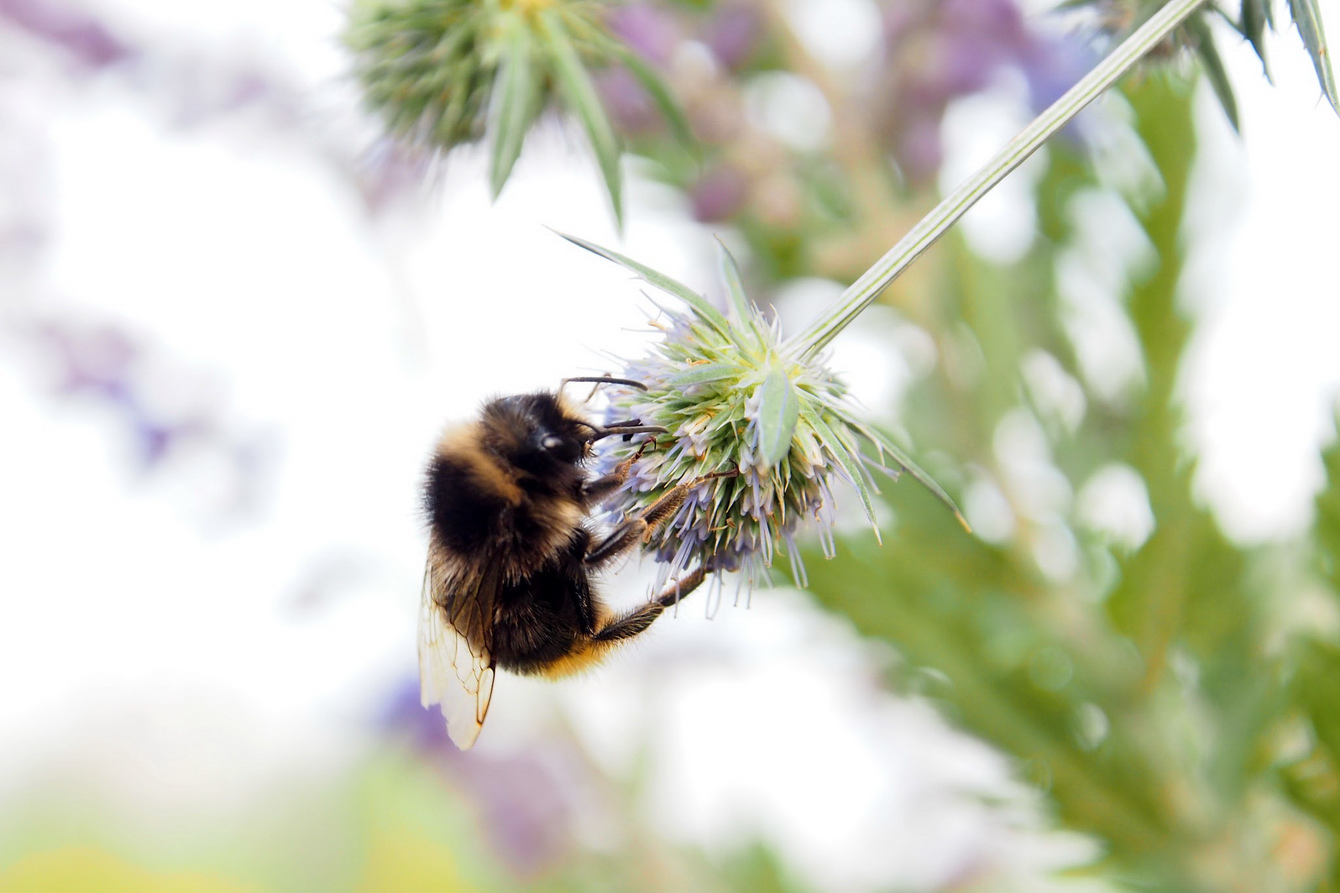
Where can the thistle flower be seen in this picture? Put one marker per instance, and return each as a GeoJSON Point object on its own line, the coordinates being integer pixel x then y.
{"type": "Point", "coordinates": [446, 72]}
{"type": "Point", "coordinates": [737, 397]}
{"type": "Point", "coordinates": [758, 421]}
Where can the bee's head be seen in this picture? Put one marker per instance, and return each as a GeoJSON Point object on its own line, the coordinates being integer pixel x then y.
{"type": "Point", "coordinates": [537, 433]}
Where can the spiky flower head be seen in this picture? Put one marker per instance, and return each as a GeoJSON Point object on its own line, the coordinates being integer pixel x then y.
{"type": "Point", "coordinates": [763, 428]}
{"type": "Point", "coordinates": [446, 72]}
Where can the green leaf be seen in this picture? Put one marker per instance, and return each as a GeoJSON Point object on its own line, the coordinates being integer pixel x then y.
{"type": "Point", "coordinates": [741, 309]}
{"type": "Point", "coordinates": [1255, 16]}
{"type": "Point", "coordinates": [703, 373]}
{"type": "Point", "coordinates": [1313, 782]}
{"type": "Point", "coordinates": [585, 103]}
{"type": "Point", "coordinates": [1307, 16]}
{"type": "Point", "coordinates": [1326, 528]}
{"type": "Point", "coordinates": [1155, 592]}
{"type": "Point", "coordinates": [967, 611]}
{"type": "Point", "coordinates": [883, 442]}
{"type": "Point", "coordinates": [1214, 68]}
{"type": "Point", "coordinates": [745, 316]}
{"type": "Point", "coordinates": [761, 870]}
{"type": "Point", "coordinates": [448, 127]}
{"type": "Point", "coordinates": [711, 315]}
{"type": "Point", "coordinates": [516, 102]}
{"type": "Point", "coordinates": [778, 412]}
{"type": "Point", "coordinates": [1318, 685]}
{"type": "Point", "coordinates": [849, 462]}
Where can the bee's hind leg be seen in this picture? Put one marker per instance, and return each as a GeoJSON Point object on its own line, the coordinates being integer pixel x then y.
{"type": "Point", "coordinates": [636, 621]}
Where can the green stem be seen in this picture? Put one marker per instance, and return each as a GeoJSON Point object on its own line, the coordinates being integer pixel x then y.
{"type": "Point", "coordinates": [863, 292]}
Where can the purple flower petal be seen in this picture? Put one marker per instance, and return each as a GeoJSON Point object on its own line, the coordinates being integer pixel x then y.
{"type": "Point", "coordinates": [719, 194]}
{"type": "Point", "coordinates": [647, 30]}
{"type": "Point", "coordinates": [732, 34]}
{"type": "Point", "coordinates": [81, 35]}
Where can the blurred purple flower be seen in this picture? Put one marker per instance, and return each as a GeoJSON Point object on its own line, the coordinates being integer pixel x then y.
{"type": "Point", "coordinates": [155, 439]}
{"type": "Point", "coordinates": [189, 84]}
{"type": "Point", "coordinates": [390, 172]}
{"type": "Point", "coordinates": [80, 34]}
{"type": "Point", "coordinates": [934, 68]}
{"type": "Point", "coordinates": [627, 102]}
{"type": "Point", "coordinates": [405, 715]}
{"type": "Point", "coordinates": [970, 61]}
{"type": "Point", "coordinates": [999, 20]}
{"type": "Point", "coordinates": [919, 149]}
{"type": "Point", "coordinates": [654, 34]}
{"type": "Point", "coordinates": [719, 194]}
{"type": "Point", "coordinates": [100, 361]}
{"type": "Point", "coordinates": [648, 30]}
{"type": "Point", "coordinates": [898, 19]}
{"type": "Point", "coordinates": [525, 807]}
{"type": "Point", "coordinates": [938, 52]}
{"type": "Point", "coordinates": [1053, 64]}
{"type": "Point", "coordinates": [524, 799]}
{"type": "Point", "coordinates": [93, 359]}
{"type": "Point", "coordinates": [732, 34]}
{"type": "Point", "coordinates": [163, 413]}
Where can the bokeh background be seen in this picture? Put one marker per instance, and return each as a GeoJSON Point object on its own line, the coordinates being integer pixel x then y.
{"type": "Point", "coordinates": [234, 318]}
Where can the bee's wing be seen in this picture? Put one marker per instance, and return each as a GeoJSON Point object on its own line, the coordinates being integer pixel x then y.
{"type": "Point", "coordinates": [452, 672]}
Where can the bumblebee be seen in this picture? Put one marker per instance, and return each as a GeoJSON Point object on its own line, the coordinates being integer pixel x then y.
{"type": "Point", "coordinates": [512, 553]}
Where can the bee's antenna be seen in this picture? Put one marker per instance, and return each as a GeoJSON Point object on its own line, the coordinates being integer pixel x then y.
{"type": "Point", "coordinates": [626, 430]}
{"type": "Point", "coordinates": [604, 379]}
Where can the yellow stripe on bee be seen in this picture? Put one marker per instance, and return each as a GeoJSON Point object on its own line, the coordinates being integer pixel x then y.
{"type": "Point", "coordinates": [577, 661]}
{"type": "Point", "coordinates": [462, 444]}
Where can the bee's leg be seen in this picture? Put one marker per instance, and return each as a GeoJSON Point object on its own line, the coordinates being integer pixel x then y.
{"type": "Point", "coordinates": [677, 589]}
{"type": "Point", "coordinates": [634, 530]}
{"type": "Point", "coordinates": [620, 540]}
{"type": "Point", "coordinates": [664, 509]}
{"type": "Point", "coordinates": [627, 534]}
{"type": "Point", "coordinates": [636, 621]}
{"type": "Point", "coordinates": [597, 490]}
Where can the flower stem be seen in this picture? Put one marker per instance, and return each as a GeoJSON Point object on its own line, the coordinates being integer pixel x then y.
{"type": "Point", "coordinates": [863, 292]}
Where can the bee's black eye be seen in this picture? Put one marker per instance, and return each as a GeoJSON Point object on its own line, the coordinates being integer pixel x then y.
{"type": "Point", "coordinates": [555, 446]}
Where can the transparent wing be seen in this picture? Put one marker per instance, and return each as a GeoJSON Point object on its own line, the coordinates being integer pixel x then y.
{"type": "Point", "coordinates": [452, 672]}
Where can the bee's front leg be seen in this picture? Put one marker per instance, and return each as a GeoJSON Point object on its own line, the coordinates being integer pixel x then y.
{"type": "Point", "coordinates": [602, 487]}
{"type": "Point", "coordinates": [641, 528]}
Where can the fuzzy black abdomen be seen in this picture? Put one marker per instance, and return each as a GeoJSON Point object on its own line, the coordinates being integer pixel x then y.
{"type": "Point", "coordinates": [538, 619]}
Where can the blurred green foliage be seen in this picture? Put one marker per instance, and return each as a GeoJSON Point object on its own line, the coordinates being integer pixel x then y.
{"type": "Point", "coordinates": [1157, 694]}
